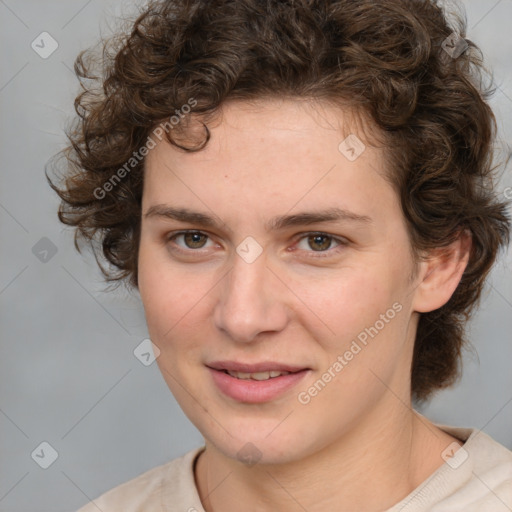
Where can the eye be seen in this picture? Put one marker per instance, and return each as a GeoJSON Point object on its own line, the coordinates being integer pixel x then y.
{"type": "Point", "coordinates": [321, 243]}
{"type": "Point", "coordinates": [192, 239]}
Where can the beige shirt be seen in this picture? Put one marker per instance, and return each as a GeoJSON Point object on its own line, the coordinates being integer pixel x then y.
{"type": "Point", "coordinates": [477, 478]}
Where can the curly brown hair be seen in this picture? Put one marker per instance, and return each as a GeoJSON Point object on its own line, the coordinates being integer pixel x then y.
{"type": "Point", "coordinates": [400, 63]}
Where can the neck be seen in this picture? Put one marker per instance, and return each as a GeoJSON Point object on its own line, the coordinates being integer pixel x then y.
{"type": "Point", "coordinates": [371, 467]}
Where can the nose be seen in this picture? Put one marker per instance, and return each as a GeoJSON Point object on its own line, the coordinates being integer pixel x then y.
{"type": "Point", "coordinates": [251, 302]}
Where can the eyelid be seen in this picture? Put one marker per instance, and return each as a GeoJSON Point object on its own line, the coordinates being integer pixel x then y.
{"type": "Point", "coordinates": [185, 231]}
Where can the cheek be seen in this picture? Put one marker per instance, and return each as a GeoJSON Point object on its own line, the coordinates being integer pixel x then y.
{"type": "Point", "coordinates": [345, 303]}
{"type": "Point", "coordinates": [364, 320]}
{"type": "Point", "coordinates": [170, 306]}
{"type": "Point", "coordinates": [175, 303]}
{"type": "Point", "coordinates": [159, 293]}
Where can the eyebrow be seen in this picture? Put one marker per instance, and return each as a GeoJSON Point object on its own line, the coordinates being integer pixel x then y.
{"type": "Point", "coordinates": [277, 223]}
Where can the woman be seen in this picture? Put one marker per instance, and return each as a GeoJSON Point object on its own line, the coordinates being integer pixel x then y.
{"type": "Point", "coordinates": [295, 190]}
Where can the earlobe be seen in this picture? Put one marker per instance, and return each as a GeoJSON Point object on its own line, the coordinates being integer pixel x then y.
{"type": "Point", "coordinates": [441, 273]}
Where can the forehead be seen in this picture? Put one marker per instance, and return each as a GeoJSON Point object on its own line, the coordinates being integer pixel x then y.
{"type": "Point", "coordinates": [269, 156]}
{"type": "Point", "coordinates": [244, 125]}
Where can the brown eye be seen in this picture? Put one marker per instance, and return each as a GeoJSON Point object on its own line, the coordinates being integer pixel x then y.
{"type": "Point", "coordinates": [191, 240]}
{"type": "Point", "coordinates": [194, 240]}
{"type": "Point", "coordinates": [322, 242]}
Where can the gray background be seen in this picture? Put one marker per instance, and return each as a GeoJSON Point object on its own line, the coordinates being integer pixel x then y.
{"type": "Point", "coordinates": [68, 373]}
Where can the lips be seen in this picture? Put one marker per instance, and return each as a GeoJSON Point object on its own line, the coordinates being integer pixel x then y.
{"type": "Point", "coordinates": [257, 382]}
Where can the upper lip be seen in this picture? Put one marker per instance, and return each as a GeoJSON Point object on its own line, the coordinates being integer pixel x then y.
{"type": "Point", "coordinates": [265, 366]}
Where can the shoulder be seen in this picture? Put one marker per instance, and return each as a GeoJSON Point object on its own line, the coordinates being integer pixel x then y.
{"type": "Point", "coordinates": [476, 477]}
{"type": "Point", "coordinates": [489, 469]}
{"type": "Point", "coordinates": [171, 483]}
{"type": "Point", "coordinates": [482, 452]}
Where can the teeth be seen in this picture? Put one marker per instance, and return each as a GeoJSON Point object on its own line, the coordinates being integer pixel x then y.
{"type": "Point", "coordinates": [257, 375]}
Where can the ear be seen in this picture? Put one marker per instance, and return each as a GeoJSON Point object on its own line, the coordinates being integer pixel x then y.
{"type": "Point", "coordinates": [440, 274]}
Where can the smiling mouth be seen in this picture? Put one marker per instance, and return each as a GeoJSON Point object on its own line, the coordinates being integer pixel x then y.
{"type": "Point", "coordinates": [256, 375]}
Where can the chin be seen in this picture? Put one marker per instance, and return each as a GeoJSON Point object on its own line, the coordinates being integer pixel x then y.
{"type": "Point", "coordinates": [255, 445]}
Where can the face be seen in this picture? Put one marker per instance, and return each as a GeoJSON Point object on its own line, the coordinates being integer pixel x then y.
{"type": "Point", "coordinates": [273, 249]}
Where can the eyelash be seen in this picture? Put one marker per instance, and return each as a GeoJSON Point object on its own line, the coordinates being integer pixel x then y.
{"type": "Point", "coordinates": [315, 254]}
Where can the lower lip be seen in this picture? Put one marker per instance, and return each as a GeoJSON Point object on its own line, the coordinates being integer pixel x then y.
{"type": "Point", "coordinates": [255, 391]}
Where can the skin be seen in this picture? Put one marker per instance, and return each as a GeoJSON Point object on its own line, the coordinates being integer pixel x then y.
{"type": "Point", "coordinates": [264, 159]}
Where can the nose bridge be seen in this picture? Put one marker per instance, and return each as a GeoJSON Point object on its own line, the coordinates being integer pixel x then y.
{"type": "Point", "coordinates": [249, 302]}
